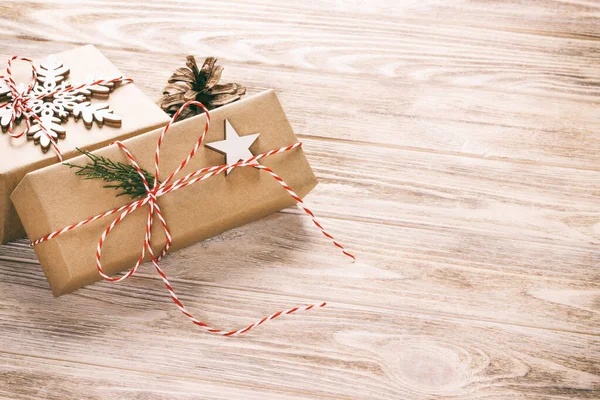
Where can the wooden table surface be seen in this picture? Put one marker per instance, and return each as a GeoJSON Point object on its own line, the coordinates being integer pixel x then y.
{"type": "Point", "coordinates": [457, 145]}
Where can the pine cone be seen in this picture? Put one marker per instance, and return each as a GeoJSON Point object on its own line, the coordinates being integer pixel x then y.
{"type": "Point", "coordinates": [190, 83]}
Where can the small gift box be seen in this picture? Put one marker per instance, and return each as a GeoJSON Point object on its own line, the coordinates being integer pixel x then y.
{"type": "Point", "coordinates": [79, 100]}
{"type": "Point", "coordinates": [199, 201]}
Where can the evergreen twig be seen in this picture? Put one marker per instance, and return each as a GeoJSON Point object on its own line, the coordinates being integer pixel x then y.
{"type": "Point", "coordinates": [121, 176]}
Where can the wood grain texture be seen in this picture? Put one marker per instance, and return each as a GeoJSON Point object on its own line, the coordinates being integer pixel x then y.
{"type": "Point", "coordinates": [371, 353]}
{"type": "Point", "coordinates": [457, 147]}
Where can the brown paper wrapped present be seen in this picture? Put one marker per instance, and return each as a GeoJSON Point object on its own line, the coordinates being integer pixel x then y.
{"type": "Point", "coordinates": [54, 197]}
{"type": "Point", "coordinates": [138, 114]}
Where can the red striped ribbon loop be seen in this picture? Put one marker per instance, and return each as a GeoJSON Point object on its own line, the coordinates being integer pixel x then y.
{"type": "Point", "coordinates": [19, 100]}
{"type": "Point", "coordinates": [169, 185]}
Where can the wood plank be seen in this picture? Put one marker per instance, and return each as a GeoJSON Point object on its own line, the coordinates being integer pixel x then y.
{"type": "Point", "coordinates": [27, 377]}
{"type": "Point", "coordinates": [438, 272]}
{"type": "Point", "coordinates": [560, 18]}
{"type": "Point", "coordinates": [400, 187]}
{"type": "Point", "coordinates": [339, 39]}
{"type": "Point", "coordinates": [475, 122]}
{"type": "Point", "coordinates": [350, 351]}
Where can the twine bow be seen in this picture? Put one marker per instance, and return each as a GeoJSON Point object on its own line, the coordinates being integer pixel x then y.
{"type": "Point", "coordinates": [20, 99]}
{"type": "Point", "coordinates": [168, 186]}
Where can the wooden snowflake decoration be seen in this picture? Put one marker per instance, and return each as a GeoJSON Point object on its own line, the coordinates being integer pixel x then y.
{"type": "Point", "coordinates": [5, 117]}
{"type": "Point", "coordinates": [54, 131]}
{"type": "Point", "coordinates": [54, 110]}
{"type": "Point", "coordinates": [4, 90]}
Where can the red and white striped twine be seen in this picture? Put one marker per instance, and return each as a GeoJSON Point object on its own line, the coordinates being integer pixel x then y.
{"type": "Point", "coordinates": [161, 189]}
{"type": "Point", "coordinates": [20, 100]}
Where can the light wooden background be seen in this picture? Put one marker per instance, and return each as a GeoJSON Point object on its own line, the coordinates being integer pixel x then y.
{"type": "Point", "coordinates": [457, 144]}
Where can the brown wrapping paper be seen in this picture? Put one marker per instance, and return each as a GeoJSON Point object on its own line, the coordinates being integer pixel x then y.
{"type": "Point", "coordinates": [53, 197]}
{"type": "Point", "coordinates": [20, 156]}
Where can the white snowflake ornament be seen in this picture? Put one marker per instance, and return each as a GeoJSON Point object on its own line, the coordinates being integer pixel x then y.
{"type": "Point", "coordinates": [98, 91]}
{"type": "Point", "coordinates": [44, 89]}
{"type": "Point", "coordinates": [53, 130]}
{"type": "Point", "coordinates": [99, 112]}
{"type": "Point", "coordinates": [4, 90]}
{"type": "Point", "coordinates": [52, 72]}
{"type": "Point", "coordinates": [61, 104]}
{"type": "Point", "coordinates": [5, 117]}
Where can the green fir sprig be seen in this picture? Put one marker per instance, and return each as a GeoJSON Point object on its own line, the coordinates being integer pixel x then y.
{"type": "Point", "coordinates": [121, 176]}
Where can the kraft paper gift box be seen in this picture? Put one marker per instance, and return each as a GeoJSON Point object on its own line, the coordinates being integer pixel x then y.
{"type": "Point", "coordinates": [54, 197]}
{"type": "Point", "coordinates": [19, 156]}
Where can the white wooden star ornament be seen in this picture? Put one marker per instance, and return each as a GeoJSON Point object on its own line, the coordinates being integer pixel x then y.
{"type": "Point", "coordinates": [234, 147]}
